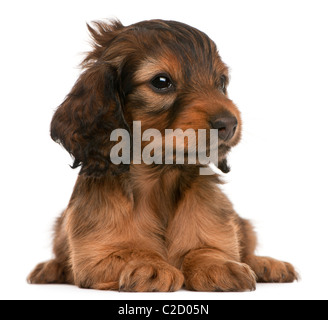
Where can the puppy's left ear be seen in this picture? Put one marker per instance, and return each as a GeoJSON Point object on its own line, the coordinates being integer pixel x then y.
{"type": "Point", "coordinates": [84, 121]}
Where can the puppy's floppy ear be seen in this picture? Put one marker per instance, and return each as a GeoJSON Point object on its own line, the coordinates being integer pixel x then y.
{"type": "Point", "coordinates": [84, 121]}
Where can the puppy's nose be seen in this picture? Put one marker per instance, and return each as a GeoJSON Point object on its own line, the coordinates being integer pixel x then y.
{"type": "Point", "coordinates": [227, 127]}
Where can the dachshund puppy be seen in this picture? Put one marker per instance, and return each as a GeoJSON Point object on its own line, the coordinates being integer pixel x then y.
{"type": "Point", "coordinates": [140, 227]}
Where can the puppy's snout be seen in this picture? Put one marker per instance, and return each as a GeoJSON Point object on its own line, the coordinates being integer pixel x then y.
{"type": "Point", "coordinates": [226, 125]}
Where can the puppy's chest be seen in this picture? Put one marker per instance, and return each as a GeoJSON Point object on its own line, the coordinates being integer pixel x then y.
{"type": "Point", "coordinates": [161, 197]}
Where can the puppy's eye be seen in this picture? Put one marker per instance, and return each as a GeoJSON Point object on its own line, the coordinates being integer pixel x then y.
{"type": "Point", "coordinates": [162, 83]}
{"type": "Point", "coordinates": [223, 83]}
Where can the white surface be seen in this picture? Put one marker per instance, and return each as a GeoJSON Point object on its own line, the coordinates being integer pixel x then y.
{"type": "Point", "coordinates": [277, 51]}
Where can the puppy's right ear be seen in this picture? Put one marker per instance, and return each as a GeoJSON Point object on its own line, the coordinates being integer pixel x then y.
{"type": "Point", "coordinates": [84, 122]}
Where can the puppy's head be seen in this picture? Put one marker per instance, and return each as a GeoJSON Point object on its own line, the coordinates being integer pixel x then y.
{"type": "Point", "coordinates": [165, 74]}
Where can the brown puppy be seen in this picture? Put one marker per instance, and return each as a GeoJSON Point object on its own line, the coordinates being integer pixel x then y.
{"type": "Point", "coordinates": [145, 227]}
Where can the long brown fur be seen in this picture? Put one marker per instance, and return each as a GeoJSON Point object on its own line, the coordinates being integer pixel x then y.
{"type": "Point", "coordinates": [150, 228]}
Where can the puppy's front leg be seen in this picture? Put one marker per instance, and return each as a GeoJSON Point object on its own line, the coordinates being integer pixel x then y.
{"type": "Point", "coordinates": [132, 270]}
{"type": "Point", "coordinates": [207, 248]}
{"type": "Point", "coordinates": [127, 266]}
{"type": "Point", "coordinates": [113, 246]}
{"type": "Point", "coordinates": [208, 269]}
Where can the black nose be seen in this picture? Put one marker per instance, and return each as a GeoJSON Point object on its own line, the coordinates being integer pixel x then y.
{"type": "Point", "coordinates": [227, 127]}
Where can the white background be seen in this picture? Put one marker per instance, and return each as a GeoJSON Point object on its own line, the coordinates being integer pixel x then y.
{"type": "Point", "coordinates": [277, 52]}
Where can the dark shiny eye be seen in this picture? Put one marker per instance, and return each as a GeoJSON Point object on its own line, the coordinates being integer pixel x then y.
{"type": "Point", "coordinates": [223, 83]}
{"type": "Point", "coordinates": [162, 83]}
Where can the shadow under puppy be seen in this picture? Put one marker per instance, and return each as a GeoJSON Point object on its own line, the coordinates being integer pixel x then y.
{"type": "Point", "coordinates": [138, 227]}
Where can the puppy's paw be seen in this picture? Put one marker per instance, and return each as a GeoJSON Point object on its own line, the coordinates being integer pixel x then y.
{"type": "Point", "coordinates": [46, 273]}
{"type": "Point", "coordinates": [225, 276]}
{"type": "Point", "coordinates": [150, 276]}
{"type": "Point", "coordinates": [270, 270]}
